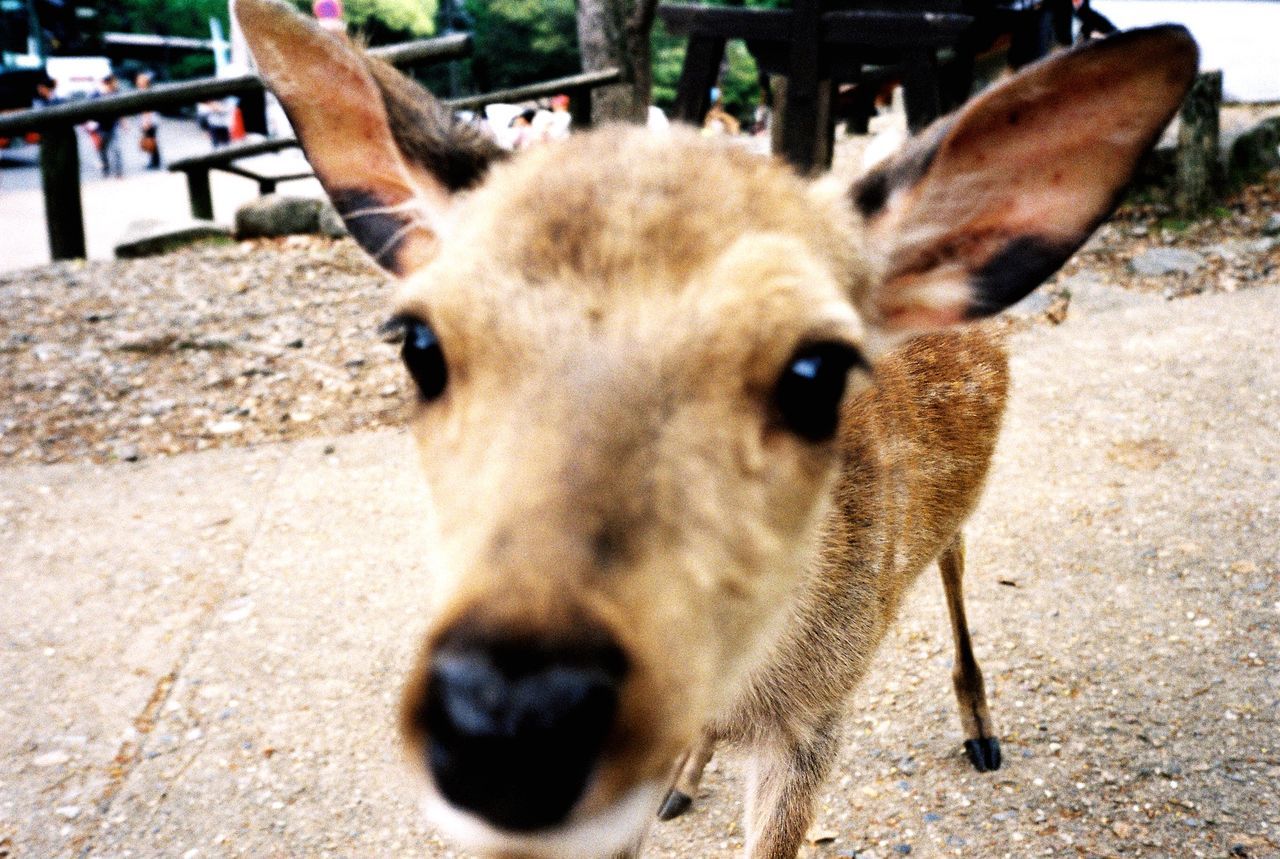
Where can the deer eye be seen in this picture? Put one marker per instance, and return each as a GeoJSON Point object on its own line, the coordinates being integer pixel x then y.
{"type": "Point", "coordinates": [424, 358]}
{"type": "Point", "coordinates": [809, 392]}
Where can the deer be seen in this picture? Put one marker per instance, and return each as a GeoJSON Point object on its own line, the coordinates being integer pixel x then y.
{"type": "Point", "coordinates": [691, 423]}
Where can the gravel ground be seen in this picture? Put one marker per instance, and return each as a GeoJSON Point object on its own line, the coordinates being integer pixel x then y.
{"type": "Point", "coordinates": [227, 345]}
{"type": "Point", "coordinates": [1124, 591]}
{"type": "Point", "coordinates": [201, 653]}
{"type": "Point", "coordinates": [213, 346]}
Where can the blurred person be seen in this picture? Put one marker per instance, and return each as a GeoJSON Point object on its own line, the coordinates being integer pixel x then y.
{"type": "Point", "coordinates": [150, 140]}
{"type": "Point", "coordinates": [720, 122]}
{"type": "Point", "coordinates": [560, 119]}
{"type": "Point", "coordinates": [214, 117]}
{"type": "Point", "coordinates": [525, 135]}
{"type": "Point", "coordinates": [46, 93]}
{"type": "Point", "coordinates": [106, 133]}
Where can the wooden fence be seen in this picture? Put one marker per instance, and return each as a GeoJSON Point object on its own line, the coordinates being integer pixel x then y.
{"type": "Point", "coordinates": [59, 151]}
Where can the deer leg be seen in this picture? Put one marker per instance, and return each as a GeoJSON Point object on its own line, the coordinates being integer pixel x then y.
{"type": "Point", "coordinates": [681, 795]}
{"type": "Point", "coordinates": [980, 742]}
{"type": "Point", "coordinates": [785, 777]}
{"type": "Point", "coordinates": [632, 852]}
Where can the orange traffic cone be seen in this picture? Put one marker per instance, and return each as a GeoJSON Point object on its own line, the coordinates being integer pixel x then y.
{"type": "Point", "coordinates": [237, 124]}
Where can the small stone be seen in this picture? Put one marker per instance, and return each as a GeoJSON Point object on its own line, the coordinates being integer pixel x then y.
{"type": "Point", "coordinates": [1272, 226]}
{"type": "Point", "coordinates": [330, 223]}
{"type": "Point", "coordinates": [821, 836]}
{"type": "Point", "coordinates": [128, 453]}
{"type": "Point", "coordinates": [1036, 302]}
{"type": "Point", "coordinates": [1157, 262]}
{"type": "Point", "coordinates": [226, 427]}
{"type": "Point", "coordinates": [902, 849]}
{"type": "Point", "coordinates": [278, 215]}
{"type": "Point", "coordinates": [51, 759]}
{"type": "Point", "coordinates": [145, 342]}
{"type": "Point", "coordinates": [70, 812]}
{"type": "Point", "coordinates": [238, 610]}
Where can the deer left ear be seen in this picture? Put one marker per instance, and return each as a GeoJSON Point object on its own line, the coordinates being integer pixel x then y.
{"type": "Point", "coordinates": [987, 204]}
{"type": "Point", "coordinates": [389, 155]}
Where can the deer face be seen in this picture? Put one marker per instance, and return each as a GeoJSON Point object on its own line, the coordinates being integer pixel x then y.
{"type": "Point", "coordinates": [627, 423]}
{"type": "Point", "coordinates": [631, 355]}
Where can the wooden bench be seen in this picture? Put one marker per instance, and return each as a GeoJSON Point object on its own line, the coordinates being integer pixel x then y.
{"type": "Point", "coordinates": [227, 159]}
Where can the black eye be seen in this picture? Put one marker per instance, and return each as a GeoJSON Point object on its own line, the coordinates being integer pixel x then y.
{"type": "Point", "coordinates": [424, 358]}
{"type": "Point", "coordinates": [811, 388]}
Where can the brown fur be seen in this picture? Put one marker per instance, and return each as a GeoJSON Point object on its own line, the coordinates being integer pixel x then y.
{"type": "Point", "coordinates": [608, 458]}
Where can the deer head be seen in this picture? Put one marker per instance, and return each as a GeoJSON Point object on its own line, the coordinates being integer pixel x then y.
{"type": "Point", "coordinates": [631, 353]}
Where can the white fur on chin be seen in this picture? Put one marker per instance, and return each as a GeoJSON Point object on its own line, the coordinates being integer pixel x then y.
{"type": "Point", "coordinates": [599, 836]}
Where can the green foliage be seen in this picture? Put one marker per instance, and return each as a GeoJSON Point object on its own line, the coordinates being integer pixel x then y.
{"type": "Point", "coordinates": [522, 41]}
{"type": "Point", "coordinates": [380, 22]}
{"type": "Point", "coordinates": [383, 22]}
{"type": "Point", "coordinates": [162, 17]}
{"type": "Point", "coordinates": [739, 82]}
{"type": "Point", "coordinates": [165, 18]}
{"type": "Point", "coordinates": [413, 18]}
{"type": "Point", "coordinates": [668, 56]}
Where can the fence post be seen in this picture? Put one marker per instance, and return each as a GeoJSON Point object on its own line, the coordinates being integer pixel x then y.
{"type": "Point", "coordinates": [60, 178]}
{"type": "Point", "coordinates": [200, 193]}
{"type": "Point", "coordinates": [580, 107]}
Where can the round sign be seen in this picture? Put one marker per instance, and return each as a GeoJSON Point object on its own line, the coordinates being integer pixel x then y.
{"type": "Point", "coordinates": [327, 10]}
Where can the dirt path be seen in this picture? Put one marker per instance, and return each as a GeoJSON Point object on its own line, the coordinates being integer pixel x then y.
{"type": "Point", "coordinates": [200, 653]}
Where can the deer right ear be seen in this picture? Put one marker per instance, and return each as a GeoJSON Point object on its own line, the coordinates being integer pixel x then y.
{"type": "Point", "coordinates": [986, 204]}
{"type": "Point", "coordinates": [386, 152]}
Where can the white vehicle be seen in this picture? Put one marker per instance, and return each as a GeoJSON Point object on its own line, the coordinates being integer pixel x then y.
{"type": "Point", "coordinates": [78, 77]}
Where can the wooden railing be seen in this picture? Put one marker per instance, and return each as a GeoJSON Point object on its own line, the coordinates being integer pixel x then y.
{"type": "Point", "coordinates": [197, 168]}
{"type": "Point", "coordinates": [59, 151]}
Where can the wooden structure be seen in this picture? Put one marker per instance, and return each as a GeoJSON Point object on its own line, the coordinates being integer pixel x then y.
{"type": "Point", "coordinates": [59, 153]}
{"type": "Point", "coordinates": [816, 45]}
{"type": "Point", "coordinates": [229, 158]}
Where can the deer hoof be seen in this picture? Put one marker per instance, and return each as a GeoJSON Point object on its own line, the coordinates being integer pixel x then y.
{"type": "Point", "coordinates": [674, 805]}
{"type": "Point", "coordinates": [984, 753]}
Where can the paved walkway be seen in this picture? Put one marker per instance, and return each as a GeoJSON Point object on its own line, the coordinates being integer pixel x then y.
{"type": "Point", "coordinates": [201, 656]}
{"type": "Point", "coordinates": [111, 205]}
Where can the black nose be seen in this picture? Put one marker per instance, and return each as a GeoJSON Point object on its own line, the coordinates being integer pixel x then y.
{"type": "Point", "coordinates": [514, 727]}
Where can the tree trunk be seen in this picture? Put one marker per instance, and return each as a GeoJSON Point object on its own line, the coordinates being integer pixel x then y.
{"type": "Point", "coordinates": [615, 34]}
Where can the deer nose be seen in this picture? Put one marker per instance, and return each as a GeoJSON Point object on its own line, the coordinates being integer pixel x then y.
{"type": "Point", "coordinates": [514, 728]}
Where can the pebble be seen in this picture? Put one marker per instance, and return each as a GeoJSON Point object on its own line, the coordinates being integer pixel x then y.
{"type": "Point", "coordinates": [1157, 262]}
{"type": "Point", "coordinates": [51, 759]}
